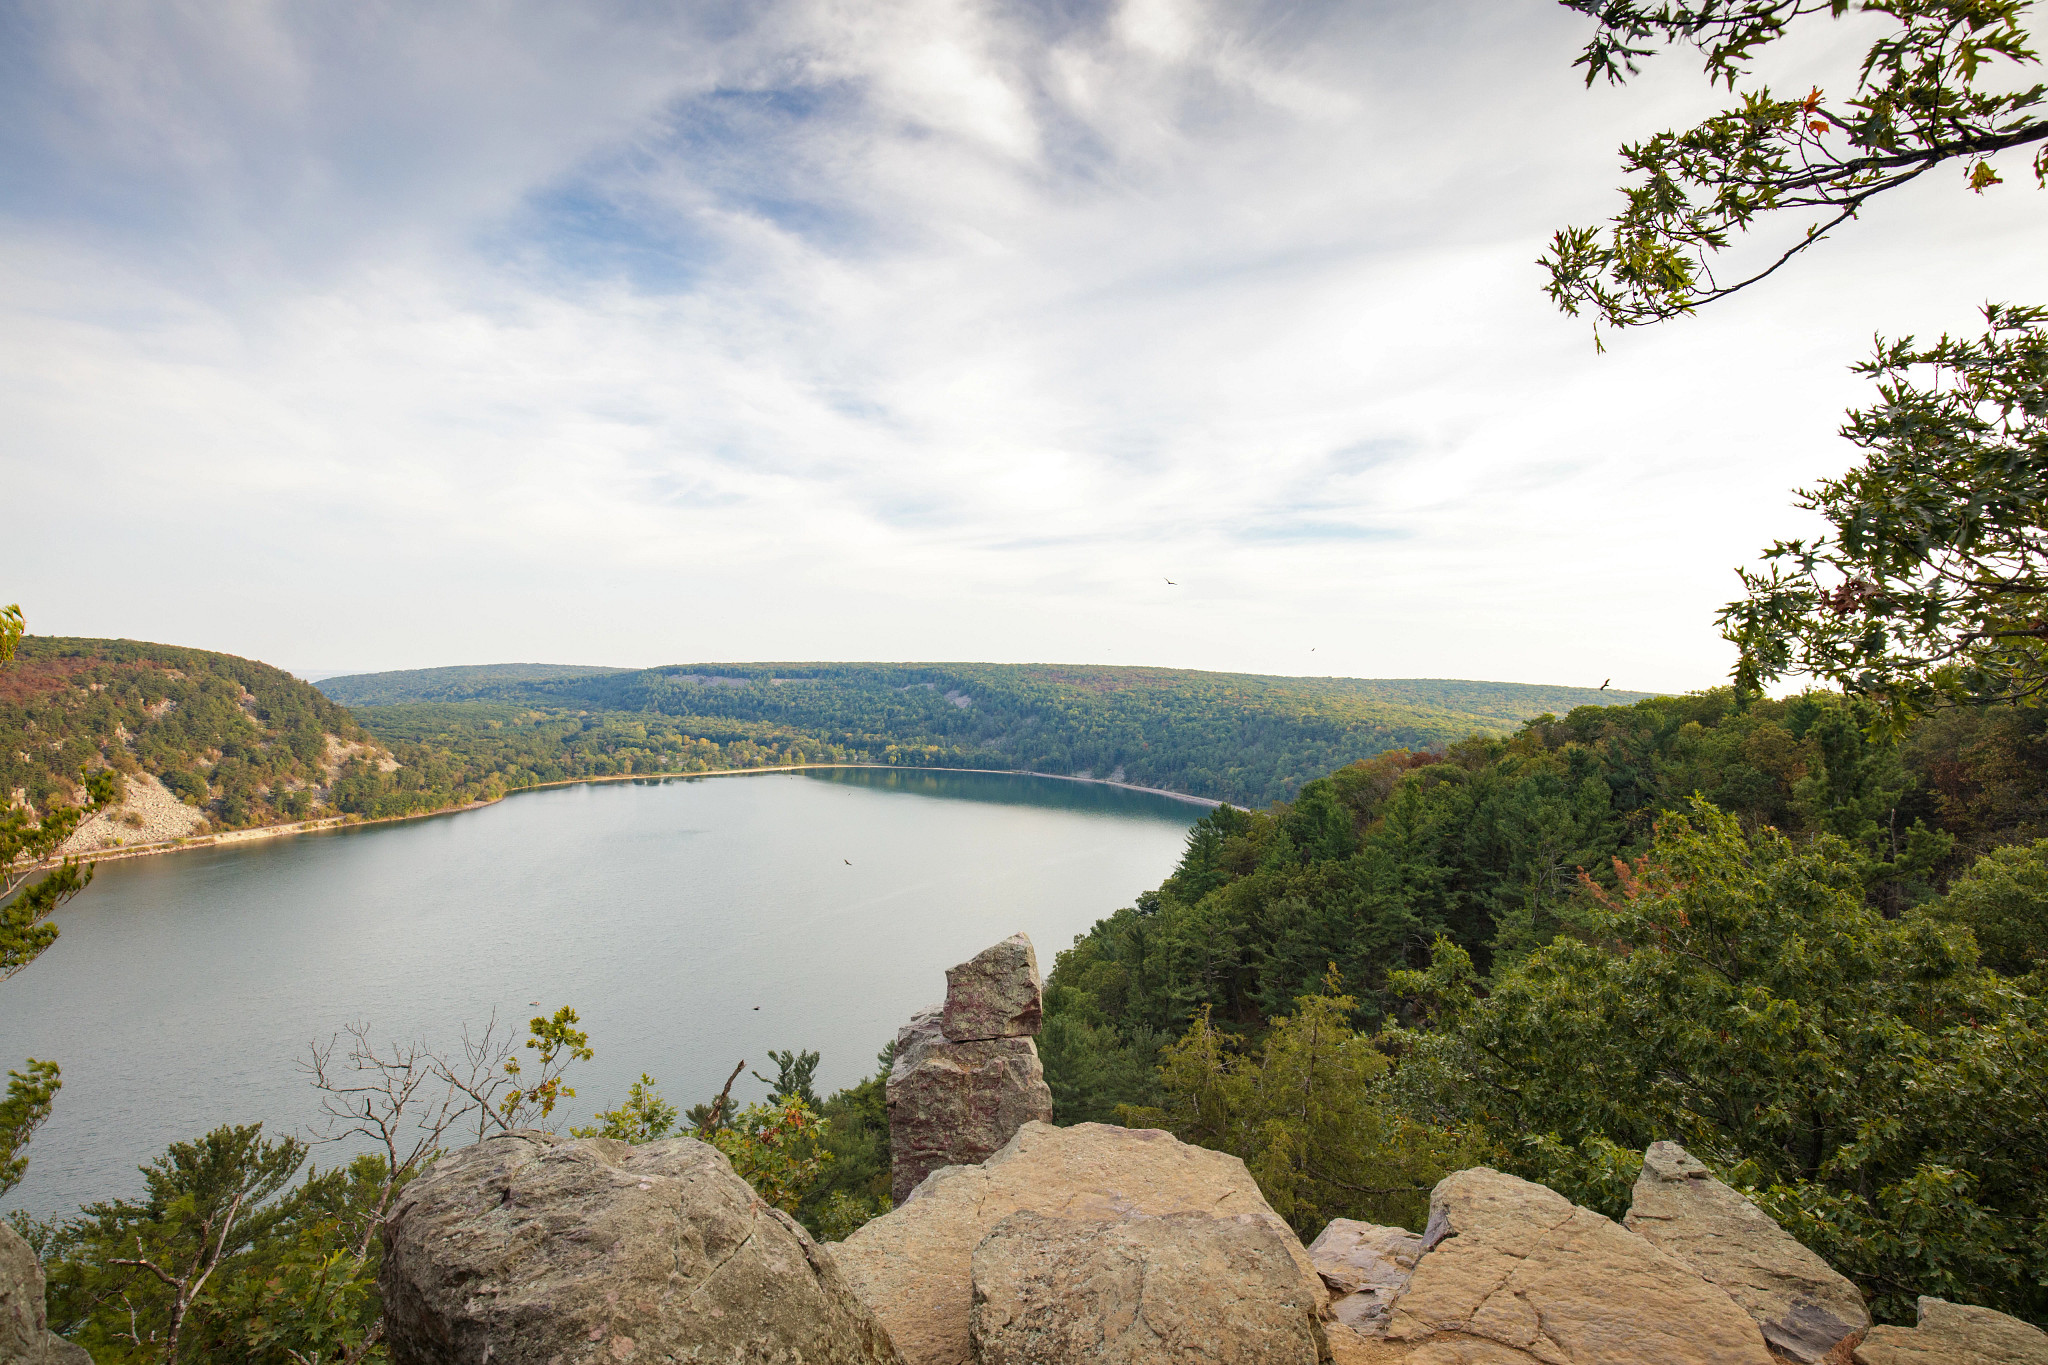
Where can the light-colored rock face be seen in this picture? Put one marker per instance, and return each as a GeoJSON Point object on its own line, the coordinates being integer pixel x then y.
{"type": "Point", "coordinates": [1523, 1270]}
{"type": "Point", "coordinates": [1955, 1334]}
{"type": "Point", "coordinates": [996, 993]}
{"type": "Point", "coordinates": [1803, 1306]}
{"type": "Point", "coordinates": [1365, 1265]}
{"type": "Point", "coordinates": [914, 1266]}
{"type": "Point", "coordinates": [1185, 1287]}
{"type": "Point", "coordinates": [25, 1338]}
{"type": "Point", "coordinates": [533, 1249]}
{"type": "Point", "coordinates": [955, 1104]}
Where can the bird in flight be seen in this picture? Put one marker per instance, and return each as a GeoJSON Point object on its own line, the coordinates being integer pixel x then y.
{"type": "Point", "coordinates": [1603, 686]}
{"type": "Point", "coordinates": [1171, 584]}
{"type": "Point", "coordinates": [847, 861]}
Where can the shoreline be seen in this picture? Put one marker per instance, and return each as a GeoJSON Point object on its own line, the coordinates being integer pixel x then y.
{"type": "Point", "coordinates": [329, 824]}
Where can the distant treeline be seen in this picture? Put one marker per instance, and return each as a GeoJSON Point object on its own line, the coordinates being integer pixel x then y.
{"type": "Point", "coordinates": [1242, 738]}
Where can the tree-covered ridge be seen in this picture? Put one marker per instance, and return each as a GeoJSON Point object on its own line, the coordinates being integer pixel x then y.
{"type": "Point", "coordinates": [1244, 738]}
{"type": "Point", "coordinates": [246, 742]}
{"type": "Point", "coordinates": [460, 682]}
{"type": "Point", "coordinates": [1737, 927]}
{"type": "Point", "coordinates": [1484, 843]}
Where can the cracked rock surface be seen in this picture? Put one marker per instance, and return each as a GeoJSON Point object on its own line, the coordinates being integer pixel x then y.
{"type": "Point", "coordinates": [1365, 1266]}
{"type": "Point", "coordinates": [1185, 1287]}
{"type": "Point", "coordinates": [535, 1249]}
{"type": "Point", "coordinates": [954, 1104]}
{"type": "Point", "coordinates": [996, 993]}
{"type": "Point", "coordinates": [1803, 1305]}
{"type": "Point", "coordinates": [1955, 1334]}
{"type": "Point", "coordinates": [1514, 1272]}
{"type": "Point", "coordinates": [913, 1266]}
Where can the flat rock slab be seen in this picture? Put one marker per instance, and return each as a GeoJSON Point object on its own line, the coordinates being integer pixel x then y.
{"type": "Point", "coordinates": [535, 1249]}
{"type": "Point", "coordinates": [1803, 1305]}
{"type": "Point", "coordinates": [1517, 1266]}
{"type": "Point", "coordinates": [997, 993]}
{"type": "Point", "coordinates": [1364, 1265]}
{"type": "Point", "coordinates": [1186, 1287]}
{"type": "Point", "coordinates": [1956, 1334]}
{"type": "Point", "coordinates": [955, 1104]}
{"type": "Point", "coordinates": [913, 1266]}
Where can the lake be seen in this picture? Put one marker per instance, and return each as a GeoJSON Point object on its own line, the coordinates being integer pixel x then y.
{"type": "Point", "coordinates": [186, 988]}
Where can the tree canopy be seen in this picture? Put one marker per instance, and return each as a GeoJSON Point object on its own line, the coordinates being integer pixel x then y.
{"type": "Point", "coordinates": [1927, 94]}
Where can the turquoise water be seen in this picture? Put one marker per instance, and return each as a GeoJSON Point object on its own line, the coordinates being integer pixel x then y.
{"type": "Point", "coordinates": [186, 988]}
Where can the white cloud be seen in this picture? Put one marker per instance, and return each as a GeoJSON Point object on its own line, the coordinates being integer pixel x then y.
{"type": "Point", "coordinates": [348, 336]}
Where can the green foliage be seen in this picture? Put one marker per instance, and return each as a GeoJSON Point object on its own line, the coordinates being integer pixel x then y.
{"type": "Point", "coordinates": [1933, 589]}
{"type": "Point", "coordinates": [644, 1117]}
{"type": "Point", "coordinates": [2003, 901]}
{"type": "Point", "coordinates": [230, 735]}
{"type": "Point", "coordinates": [854, 1185]}
{"type": "Point", "coordinates": [793, 1073]}
{"type": "Point", "coordinates": [777, 1148]}
{"type": "Point", "coordinates": [154, 1279]}
{"type": "Point", "coordinates": [1920, 100]}
{"type": "Point", "coordinates": [556, 1043]}
{"type": "Point", "coordinates": [1233, 737]}
{"type": "Point", "coordinates": [30, 1095]}
{"type": "Point", "coordinates": [1308, 1112]}
{"type": "Point", "coordinates": [11, 627]}
{"type": "Point", "coordinates": [1882, 1094]}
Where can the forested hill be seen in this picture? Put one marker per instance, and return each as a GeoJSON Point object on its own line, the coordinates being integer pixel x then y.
{"type": "Point", "coordinates": [244, 742]}
{"type": "Point", "coordinates": [1244, 738]}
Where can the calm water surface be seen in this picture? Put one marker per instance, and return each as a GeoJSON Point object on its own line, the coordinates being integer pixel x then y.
{"type": "Point", "coordinates": [185, 988]}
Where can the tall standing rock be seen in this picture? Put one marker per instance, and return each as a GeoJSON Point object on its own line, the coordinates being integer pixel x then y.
{"type": "Point", "coordinates": [1804, 1306]}
{"type": "Point", "coordinates": [996, 993]}
{"type": "Point", "coordinates": [967, 1075]}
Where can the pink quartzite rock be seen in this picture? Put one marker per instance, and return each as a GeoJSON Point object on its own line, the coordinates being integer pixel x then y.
{"type": "Point", "coordinates": [1805, 1308]}
{"type": "Point", "coordinates": [1956, 1334]}
{"type": "Point", "coordinates": [534, 1249]}
{"type": "Point", "coordinates": [956, 1104]}
{"type": "Point", "coordinates": [995, 994]}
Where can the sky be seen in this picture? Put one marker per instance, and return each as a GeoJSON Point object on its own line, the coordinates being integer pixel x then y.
{"type": "Point", "coordinates": [353, 335]}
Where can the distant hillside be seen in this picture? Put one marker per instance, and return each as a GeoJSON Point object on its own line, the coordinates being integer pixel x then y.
{"type": "Point", "coordinates": [464, 682]}
{"type": "Point", "coordinates": [1245, 738]}
{"type": "Point", "coordinates": [240, 741]}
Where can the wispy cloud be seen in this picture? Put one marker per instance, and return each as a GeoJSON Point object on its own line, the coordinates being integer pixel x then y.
{"type": "Point", "coordinates": [364, 335]}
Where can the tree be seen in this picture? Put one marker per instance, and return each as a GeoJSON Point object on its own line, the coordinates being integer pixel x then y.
{"type": "Point", "coordinates": [1308, 1113]}
{"type": "Point", "coordinates": [1864, 1078]}
{"type": "Point", "coordinates": [2003, 901]}
{"type": "Point", "coordinates": [27, 840]}
{"type": "Point", "coordinates": [644, 1117]}
{"type": "Point", "coordinates": [1922, 98]}
{"type": "Point", "coordinates": [135, 1273]}
{"type": "Point", "coordinates": [1933, 589]}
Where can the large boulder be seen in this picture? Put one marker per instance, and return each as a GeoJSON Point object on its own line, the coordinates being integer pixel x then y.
{"type": "Point", "coordinates": [534, 1249]}
{"type": "Point", "coordinates": [966, 1074]}
{"type": "Point", "coordinates": [1514, 1272]}
{"type": "Point", "coordinates": [1805, 1308]}
{"type": "Point", "coordinates": [995, 994]}
{"type": "Point", "coordinates": [25, 1335]}
{"type": "Point", "coordinates": [914, 1268]}
{"type": "Point", "coordinates": [1187, 1287]}
{"type": "Point", "coordinates": [1956, 1334]}
{"type": "Point", "coordinates": [1365, 1266]}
